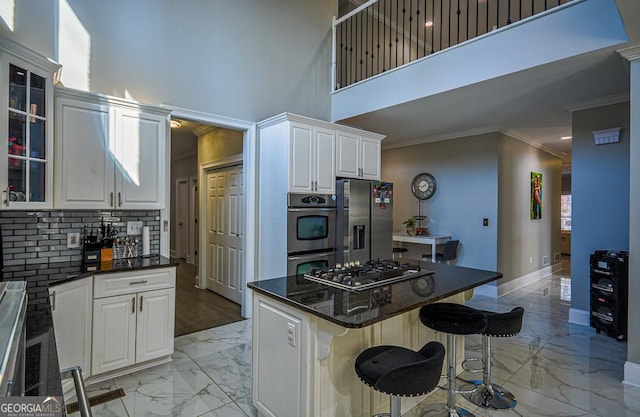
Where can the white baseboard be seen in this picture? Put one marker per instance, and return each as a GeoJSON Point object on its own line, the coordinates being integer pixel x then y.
{"type": "Point", "coordinates": [631, 375]}
{"type": "Point", "coordinates": [521, 282]}
{"type": "Point", "coordinates": [581, 317]}
{"type": "Point", "coordinates": [497, 291]}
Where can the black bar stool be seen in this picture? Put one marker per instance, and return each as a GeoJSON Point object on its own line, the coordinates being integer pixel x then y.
{"type": "Point", "coordinates": [488, 394]}
{"type": "Point", "coordinates": [398, 251]}
{"type": "Point", "coordinates": [401, 372]}
{"type": "Point", "coordinates": [453, 319]}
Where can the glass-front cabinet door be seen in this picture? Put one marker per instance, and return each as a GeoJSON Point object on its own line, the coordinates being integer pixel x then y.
{"type": "Point", "coordinates": [26, 164]}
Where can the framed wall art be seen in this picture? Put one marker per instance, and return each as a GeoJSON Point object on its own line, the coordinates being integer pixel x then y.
{"type": "Point", "coordinates": [536, 195]}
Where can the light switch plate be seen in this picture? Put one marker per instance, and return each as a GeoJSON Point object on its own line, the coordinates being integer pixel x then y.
{"type": "Point", "coordinates": [134, 228]}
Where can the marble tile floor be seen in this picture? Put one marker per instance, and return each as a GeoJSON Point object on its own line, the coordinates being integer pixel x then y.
{"type": "Point", "coordinates": [553, 367]}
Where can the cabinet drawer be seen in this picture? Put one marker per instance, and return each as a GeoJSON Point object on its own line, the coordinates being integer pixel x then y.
{"type": "Point", "coordinates": [107, 285]}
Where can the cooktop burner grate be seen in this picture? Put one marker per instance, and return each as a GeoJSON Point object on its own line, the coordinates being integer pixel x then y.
{"type": "Point", "coordinates": [360, 277]}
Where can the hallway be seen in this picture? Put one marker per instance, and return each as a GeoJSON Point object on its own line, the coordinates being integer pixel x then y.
{"type": "Point", "coordinates": [198, 309]}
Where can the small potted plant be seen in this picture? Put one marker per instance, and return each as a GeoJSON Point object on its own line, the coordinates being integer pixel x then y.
{"type": "Point", "coordinates": [410, 225]}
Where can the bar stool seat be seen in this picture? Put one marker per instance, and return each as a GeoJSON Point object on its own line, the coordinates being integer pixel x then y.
{"type": "Point", "coordinates": [401, 372]}
{"type": "Point", "coordinates": [489, 395]}
{"type": "Point", "coordinates": [453, 319]}
{"type": "Point", "coordinates": [398, 251]}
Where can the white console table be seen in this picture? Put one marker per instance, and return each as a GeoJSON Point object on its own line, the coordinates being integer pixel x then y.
{"type": "Point", "coordinates": [432, 240]}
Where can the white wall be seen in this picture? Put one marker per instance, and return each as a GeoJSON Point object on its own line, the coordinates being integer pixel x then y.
{"type": "Point", "coordinates": [242, 59]}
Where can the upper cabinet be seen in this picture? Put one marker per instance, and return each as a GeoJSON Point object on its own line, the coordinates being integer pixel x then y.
{"type": "Point", "coordinates": [312, 159]}
{"type": "Point", "coordinates": [26, 104]}
{"type": "Point", "coordinates": [110, 153]}
{"type": "Point", "coordinates": [358, 155]}
{"type": "Point", "coordinates": [312, 153]}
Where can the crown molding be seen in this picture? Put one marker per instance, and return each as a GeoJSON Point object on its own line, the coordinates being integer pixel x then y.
{"type": "Point", "coordinates": [439, 138]}
{"type": "Point", "coordinates": [598, 102]}
{"type": "Point", "coordinates": [517, 135]}
{"type": "Point", "coordinates": [631, 53]}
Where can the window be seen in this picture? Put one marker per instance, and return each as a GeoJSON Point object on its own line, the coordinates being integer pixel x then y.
{"type": "Point", "coordinates": [565, 212]}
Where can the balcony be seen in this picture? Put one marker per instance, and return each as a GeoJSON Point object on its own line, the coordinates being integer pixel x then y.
{"type": "Point", "coordinates": [459, 82]}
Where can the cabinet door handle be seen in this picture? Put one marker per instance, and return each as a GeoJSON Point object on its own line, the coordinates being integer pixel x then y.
{"type": "Point", "coordinates": [133, 305]}
{"type": "Point", "coordinates": [141, 297]}
{"type": "Point", "coordinates": [119, 199]}
{"type": "Point", "coordinates": [111, 199]}
{"type": "Point", "coordinates": [53, 300]}
{"type": "Point", "coordinates": [143, 281]}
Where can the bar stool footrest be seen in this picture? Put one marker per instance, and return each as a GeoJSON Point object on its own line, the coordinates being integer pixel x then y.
{"type": "Point", "coordinates": [466, 361]}
{"type": "Point", "coordinates": [441, 410]}
{"type": "Point", "coordinates": [492, 397]}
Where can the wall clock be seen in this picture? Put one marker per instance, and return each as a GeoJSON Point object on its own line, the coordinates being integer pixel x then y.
{"type": "Point", "coordinates": [423, 186]}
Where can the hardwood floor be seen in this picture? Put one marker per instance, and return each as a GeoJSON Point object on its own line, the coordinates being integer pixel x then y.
{"type": "Point", "coordinates": [198, 309]}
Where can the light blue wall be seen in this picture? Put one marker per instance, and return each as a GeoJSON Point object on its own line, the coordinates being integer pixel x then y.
{"type": "Point", "coordinates": [466, 172]}
{"type": "Point", "coordinates": [600, 193]}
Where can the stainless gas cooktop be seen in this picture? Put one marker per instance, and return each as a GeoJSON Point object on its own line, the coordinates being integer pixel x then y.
{"type": "Point", "coordinates": [359, 277]}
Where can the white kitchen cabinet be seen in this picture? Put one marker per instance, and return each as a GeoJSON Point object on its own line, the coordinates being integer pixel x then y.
{"type": "Point", "coordinates": [71, 308]}
{"type": "Point", "coordinates": [296, 154]}
{"type": "Point", "coordinates": [312, 159]}
{"type": "Point", "coordinates": [358, 156]}
{"type": "Point", "coordinates": [133, 320]}
{"type": "Point", "coordinates": [280, 336]}
{"type": "Point", "coordinates": [26, 121]}
{"type": "Point", "coordinates": [110, 153]}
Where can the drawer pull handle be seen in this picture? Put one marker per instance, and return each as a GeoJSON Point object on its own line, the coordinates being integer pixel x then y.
{"type": "Point", "coordinates": [144, 281]}
{"type": "Point", "coordinates": [133, 305]}
{"type": "Point", "coordinates": [53, 300]}
{"type": "Point", "coordinates": [92, 257]}
{"type": "Point", "coordinates": [141, 297]}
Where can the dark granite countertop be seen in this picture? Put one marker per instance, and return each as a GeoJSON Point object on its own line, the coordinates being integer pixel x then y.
{"type": "Point", "coordinates": [42, 376]}
{"type": "Point", "coordinates": [359, 309]}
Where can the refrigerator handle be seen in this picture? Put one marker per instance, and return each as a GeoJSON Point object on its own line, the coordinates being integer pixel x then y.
{"type": "Point", "coordinates": [358, 237]}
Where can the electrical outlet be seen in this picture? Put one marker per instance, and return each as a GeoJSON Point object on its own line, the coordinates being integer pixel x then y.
{"type": "Point", "coordinates": [557, 257]}
{"type": "Point", "coordinates": [134, 228]}
{"type": "Point", "coordinates": [530, 259]}
{"type": "Point", "coordinates": [291, 334]}
{"type": "Point", "coordinates": [73, 240]}
{"type": "Point", "coordinates": [545, 260]}
{"type": "Point", "coordinates": [485, 222]}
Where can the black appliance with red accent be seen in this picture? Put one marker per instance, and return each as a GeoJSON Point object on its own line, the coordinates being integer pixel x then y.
{"type": "Point", "coordinates": [609, 283]}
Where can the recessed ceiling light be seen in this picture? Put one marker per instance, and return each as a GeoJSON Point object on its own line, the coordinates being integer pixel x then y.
{"type": "Point", "coordinates": [565, 137]}
{"type": "Point", "coordinates": [175, 124]}
{"type": "Point", "coordinates": [428, 24]}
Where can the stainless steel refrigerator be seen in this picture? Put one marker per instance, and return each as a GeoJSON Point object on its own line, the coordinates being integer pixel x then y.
{"type": "Point", "coordinates": [364, 220]}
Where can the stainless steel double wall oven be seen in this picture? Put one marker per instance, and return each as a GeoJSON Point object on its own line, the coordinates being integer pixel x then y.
{"type": "Point", "coordinates": [311, 228]}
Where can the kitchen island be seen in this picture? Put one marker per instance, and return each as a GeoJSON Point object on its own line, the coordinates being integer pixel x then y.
{"type": "Point", "coordinates": [306, 336]}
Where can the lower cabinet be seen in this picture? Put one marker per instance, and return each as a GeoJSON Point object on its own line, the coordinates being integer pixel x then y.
{"type": "Point", "coordinates": [132, 327]}
{"type": "Point", "coordinates": [110, 322]}
{"type": "Point", "coordinates": [71, 309]}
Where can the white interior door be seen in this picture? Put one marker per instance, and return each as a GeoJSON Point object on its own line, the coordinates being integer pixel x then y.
{"type": "Point", "coordinates": [225, 237]}
{"type": "Point", "coordinates": [182, 218]}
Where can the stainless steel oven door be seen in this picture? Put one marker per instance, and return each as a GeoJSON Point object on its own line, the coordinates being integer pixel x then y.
{"type": "Point", "coordinates": [310, 229]}
{"type": "Point", "coordinates": [300, 264]}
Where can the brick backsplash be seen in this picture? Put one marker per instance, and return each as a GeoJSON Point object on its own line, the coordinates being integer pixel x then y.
{"type": "Point", "coordinates": [40, 237]}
